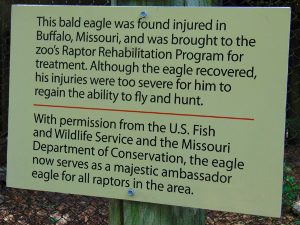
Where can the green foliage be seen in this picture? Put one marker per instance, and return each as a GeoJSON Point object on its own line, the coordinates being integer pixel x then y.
{"type": "Point", "coordinates": [54, 220]}
{"type": "Point", "coordinates": [291, 189]}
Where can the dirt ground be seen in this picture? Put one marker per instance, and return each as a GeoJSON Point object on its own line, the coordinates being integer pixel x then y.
{"type": "Point", "coordinates": [26, 207]}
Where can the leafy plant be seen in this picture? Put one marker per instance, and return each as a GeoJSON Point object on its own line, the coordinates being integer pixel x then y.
{"type": "Point", "coordinates": [291, 189]}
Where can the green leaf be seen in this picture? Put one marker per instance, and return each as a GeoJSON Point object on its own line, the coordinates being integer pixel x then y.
{"type": "Point", "coordinates": [54, 220]}
{"type": "Point", "coordinates": [290, 179]}
{"type": "Point", "coordinates": [292, 196]}
{"type": "Point", "coordinates": [287, 188]}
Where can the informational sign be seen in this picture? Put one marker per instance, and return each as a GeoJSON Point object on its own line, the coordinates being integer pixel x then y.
{"type": "Point", "coordinates": [170, 105]}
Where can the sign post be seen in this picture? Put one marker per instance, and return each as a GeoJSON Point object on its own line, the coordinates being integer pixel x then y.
{"type": "Point", "coordinates": [138, 213]}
